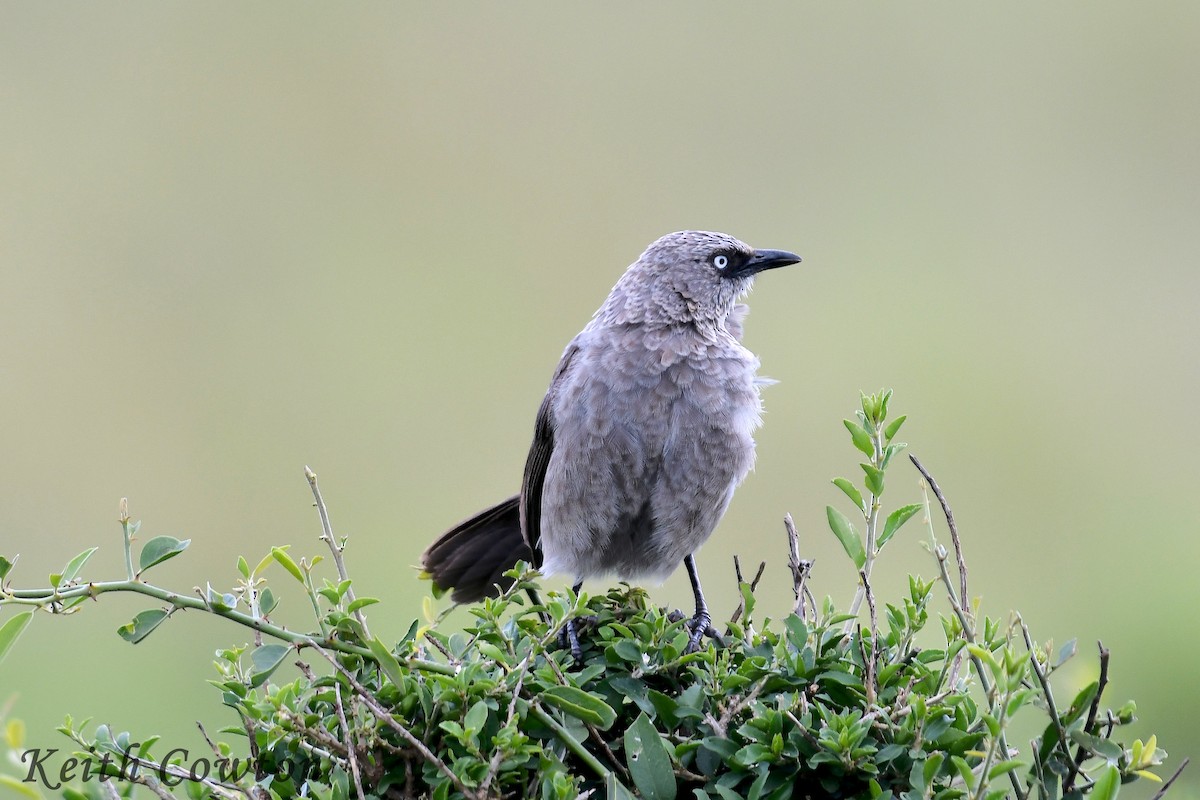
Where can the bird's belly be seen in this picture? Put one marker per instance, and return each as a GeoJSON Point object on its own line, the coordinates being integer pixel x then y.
{"type": "Point", "coordinates": [635, 489]}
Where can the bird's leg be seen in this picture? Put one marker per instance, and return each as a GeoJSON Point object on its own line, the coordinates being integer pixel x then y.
{"type": "Point", "coordinates": [536, 599]}
{"type": "Point", "coordinates": [569, 635]}
{"type": "Point", "coordinates": [699, 624]}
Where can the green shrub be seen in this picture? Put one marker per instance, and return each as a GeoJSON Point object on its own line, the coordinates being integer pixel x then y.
{"type": "Point", "coordinates": [819, 704]}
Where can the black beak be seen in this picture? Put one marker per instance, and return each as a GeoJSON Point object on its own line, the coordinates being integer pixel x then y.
{"type": "Point", "coordinates": [768, 259]}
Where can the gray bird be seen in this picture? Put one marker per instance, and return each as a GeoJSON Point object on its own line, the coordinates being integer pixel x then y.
{"type": "Point", "coordinates": [645, 432]}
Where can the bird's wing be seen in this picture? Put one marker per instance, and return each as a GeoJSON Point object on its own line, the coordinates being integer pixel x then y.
{"type": "Point", "coordinates": [539, 459]}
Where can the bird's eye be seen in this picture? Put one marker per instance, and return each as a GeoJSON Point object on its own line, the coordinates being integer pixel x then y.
{"type": "Point", "coordinates": [721, 262]}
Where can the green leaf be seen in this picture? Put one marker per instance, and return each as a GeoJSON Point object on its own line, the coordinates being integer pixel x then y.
{"type": "Point", "coordinates": [895, 520]}
{"type": "Point", "coordinates": [265, 660]}
{"type": "Point", "coordinates": [220, 601]}
{"type": "Point", "coordinates": [159, 549]}
{"type": "Point", "coordinates": [11, 629]}
{"type": "Point", "coordinates": [266, 561]}
{"type": "Point", "coordinates": [72, 569]}
{"type": "Point", "coordinates": [1107, 784]}
{"type": "Point", "coordinates": [477, 717]}
{"type": "Point", "coordinates": [362, 602]}
{"type": "Point", "coordinates": [846, 534]}
{"type": "Point", "coordinates": [1081, 703]}
{"type": "Point", "coordinates": [840, 677]}
{"type": "Point", "coordinates": [628, 650]}
{"type": "Point", "coordinates": [964, 771]}
{"type": "Point", "coordinates": [280, 555]}
{"type": "Point", "coordinates": [1104, 748]}
{"type": "Point", "coordinates": [932, 765]}
{"type": "Point", "coordinates": [1064, 653]}
{"type": "Point", "coordinates": [893, 427]}
{"type": "Point", "coordinates": [142, 625]}
{"type": "Point", "coordinates": [581, 705]}
{"type": "Point", "coordinates": [1004, 767]}
{"type": "Point", "coordinates": [851, 491]}
{"type": "Point", "coordinates": [387, 661]}
{"type": "Point", "coordinates": [648, 761]}
{"type": "Point", "coordinates": [267, 602]}
{"type": "Point", "coordinates": [874, 479]}
{"type": "Point", "coordinates": [861, 439]}
{"type": "Point", "coordinates": [243, 567]}
{"type": "Point", "coordinates": [5, 567]}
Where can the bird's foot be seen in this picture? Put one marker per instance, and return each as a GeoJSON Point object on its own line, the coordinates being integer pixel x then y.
{"type": "Point", "coordinates": [569, 635]}
{"type": "Point", "coordinates": [700, 625]}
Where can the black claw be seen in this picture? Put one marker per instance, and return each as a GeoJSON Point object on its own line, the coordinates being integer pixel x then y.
{"type": "Point", "coordinates": [570, 635]}
{"type": "Point", "coordinates": [572, 630]}
{"type": "Point", "coordinates": [697, 631]}
{"type": "Point", "coordinates": [700, 627]}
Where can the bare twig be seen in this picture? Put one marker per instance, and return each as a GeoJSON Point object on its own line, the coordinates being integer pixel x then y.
{"type": "Point", "coordinates": [351, 747]}
{"type": "Point", "coordinates": [1081, 753]}
{"type": "Point", "coordinates": [441, 649]}
{"type": "Point", "coordinates": [739, 703]}
{"type": "Point", "coordinates": [386, 718]}
{"type": "Point", "coordinates": [803, 730]}
{"type": "Point", "coordinates": [46, 596]}
{"type": "Point", "coordinates": [334, 547]}
{"type": "Point", "coordinates": [937, 492]}
{"type": "Point", "coordinates": [248, 724]}
{"type": "Point", "coordinates": [737, 568]}
{"type": "Point", "coordinates": [961, 602]}
{"type": "Point", "coordinates": [870, 662]}
{"type": "Point", "coordinates": [1158, 795]}
{"type": "Point", "coordinates": [1063, 741]}
{"type": "Point", "coordinates": [110, 790]}
{"type": "Point", "coordinates": [333, 749]}
{"type": "Point", "coordinates": [498, 756]}
{"type": "Point", "coordinates": [800, 567]}
{"type": "Point", "coordinates": [208, 739]}
{"type": "Point", "coordinates": [153, 786]}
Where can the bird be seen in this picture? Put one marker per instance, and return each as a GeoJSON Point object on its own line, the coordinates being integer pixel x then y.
{"type": "Point", "coordinates": [645, 432]}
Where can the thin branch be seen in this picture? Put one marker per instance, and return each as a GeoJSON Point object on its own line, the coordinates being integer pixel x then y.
{"type": "Point", "coordinates": [384, 716]}
{"type": "Point", "coordinates": [127, 529]}
{"type": "Point", "coordinates": [870, 662]}
{"type": "Point", "coordinates": [110, 790]}
{"type": "Point", "coordinates": [570, 741]}
{"type": "Point", "coordinates": [800, 568]}
{"type": "Point", "coordinates": [46, 596]}
{"type": "Point", "coordinates": [937, 492]}
{"type": "Point", "coordinates": [1063, 741]}
{"type": "Point", "coordinates": [1081, 754]}
{"type": "Point", "coordinates": [737, 568]}
{"type": "Point", "coordinates": [334, 547]}
{"type": "Point", "coordinates": [961, 602]}
{"type": "Point", "coordinates": [144, 769]}
{"type": "Point", "coordinates": [351, 747]}
{"type": "Point", "coordinates": [593, 733]}
{"type": "Point", "coordinates": [153, 786]}
{"type": "Point", "coordinates": [1158, 795]}
{"type": "Point", "coordinates": [333, 749]}
{"type": "Point", "coordinates": [208, 739]}
{"type": "Point", "coordinates": [498, 756]}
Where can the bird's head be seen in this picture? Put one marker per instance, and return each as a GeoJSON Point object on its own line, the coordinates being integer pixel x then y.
{"type": "Point", "coordinates": [689, 276]}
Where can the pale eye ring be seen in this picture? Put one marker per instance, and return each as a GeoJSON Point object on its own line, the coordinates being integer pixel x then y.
{"type": "Point", "coordinates": [721, 262]}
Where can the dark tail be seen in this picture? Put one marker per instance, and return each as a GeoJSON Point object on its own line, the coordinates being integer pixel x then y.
{"type": "Point", "coordinates": [472, 557]}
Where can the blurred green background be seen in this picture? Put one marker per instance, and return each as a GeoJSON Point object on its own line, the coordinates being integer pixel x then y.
{"type": "Point", "coordinates": [237, 239]}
